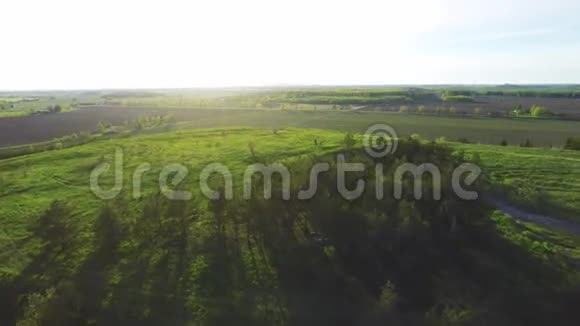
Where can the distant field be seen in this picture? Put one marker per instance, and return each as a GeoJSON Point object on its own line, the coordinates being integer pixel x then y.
{"type": "Point", "coordinates": [566, 108]}
{"type": "Point", "coordinates": [38, 128]}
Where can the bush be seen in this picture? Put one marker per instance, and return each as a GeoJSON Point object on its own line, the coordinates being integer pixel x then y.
{"type": "Point", "coordinates": [539, 111]}
{"type": "Point", "coordinates": [572, 143]}
{"type": "Point", "coordinates": [349, 140]}
{"type": "Point", "coordinates": [526, 143]}
{"type": "Point", "coordinates": [457, 98]}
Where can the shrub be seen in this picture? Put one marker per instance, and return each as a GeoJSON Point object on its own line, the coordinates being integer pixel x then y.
{"type": "Point", "coordinates": [539, 111]}
{"type": "Point", "coordinates": [58, 145]}
{"type": "Point", "coordinates": [526, 143]}
{"type": "Point", "coordinates": [349, 140]}
{"type": "Point", "coordinates": [572, 143]}
{"type": "Point", "coordinates": [457, 98]}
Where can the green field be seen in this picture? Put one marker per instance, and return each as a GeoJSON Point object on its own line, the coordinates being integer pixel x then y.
{"type": "Point", "coordinates": [477, 130]}
{"type": "Point", "coordinates": [544, 180]}
{"type": "Point", "coordinates": [241, 258]}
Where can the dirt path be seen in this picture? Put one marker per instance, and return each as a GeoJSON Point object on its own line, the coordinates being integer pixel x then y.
{"type": "Point", "coordinates": [522, 215]}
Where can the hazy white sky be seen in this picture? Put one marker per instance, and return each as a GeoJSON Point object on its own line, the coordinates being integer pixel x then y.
{"type": "Point", "coordinates": [80, 44]}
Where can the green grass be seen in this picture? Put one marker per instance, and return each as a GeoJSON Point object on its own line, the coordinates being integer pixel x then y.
{"type": "Point", "coordinates": [21, 106]}
{"type": "Point", "coordinates": [31, 182]}
{"type": "Point", "coordinates": [478, 130]}
{"type": "Point", "coordinates": [8, 114]}
{"type": "Point", "coordinates": [545, 180]}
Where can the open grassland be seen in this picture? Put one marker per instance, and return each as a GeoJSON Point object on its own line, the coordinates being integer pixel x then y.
{"type": "Point", "coordinates": [147, 260]}
{"type": "Point", "coordinates": [545, 180]}
{"type": "Point", "coordinates": [23, 130]}
{"type": "Point", "coordinates": [31, 182]}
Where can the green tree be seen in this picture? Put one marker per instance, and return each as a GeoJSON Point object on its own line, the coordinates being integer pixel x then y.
{"type": "Point", "coordinates": [526, 143]}
{"type": "Point", "coordinates": [539, 111]}
{"type": "Point", "coordinates": [572, 143]}
{"type": "Point", "coordinates": [518, 109]}
{"type": "Point", "coordinates": [57, 225]}
{"type": "Point", "coordinates": [349, 140]}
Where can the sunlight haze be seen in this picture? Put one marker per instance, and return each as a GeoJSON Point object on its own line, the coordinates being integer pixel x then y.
{"type": "Point", "coordinates": [155, 44]}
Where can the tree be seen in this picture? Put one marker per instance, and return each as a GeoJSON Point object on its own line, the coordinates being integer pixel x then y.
{"type": "Point", "coordinates": [349, 140]}
{"type": "Point", "coordinates": [539, 111]}
{"type": "Point", "coordinates": [101, 127]}
{"type": "Point", "coordinates": [526, 143]}
{"type": "Point", "coordinates": [56, 226]}
{"type": "Point", "coordinates": [35, 307]}
{"type": "Point", "coordinates": [572, 143]}
{"type": "Point", "coordinates": [108, 230]}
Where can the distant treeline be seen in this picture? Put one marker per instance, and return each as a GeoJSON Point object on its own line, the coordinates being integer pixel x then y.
{"type": "Point", "coordinates": [522, 92]}
{"type": "Point", "coordinates": [361, 96]}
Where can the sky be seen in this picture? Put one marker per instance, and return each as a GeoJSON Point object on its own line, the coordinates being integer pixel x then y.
{"type": "Point", "coordinates": [86, 44]}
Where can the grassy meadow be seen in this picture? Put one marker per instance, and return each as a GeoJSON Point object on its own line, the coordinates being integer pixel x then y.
{"type": "Point", "coordinates": [258, 260]}
{"type": "Point", "coordinates": [544, 180]}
